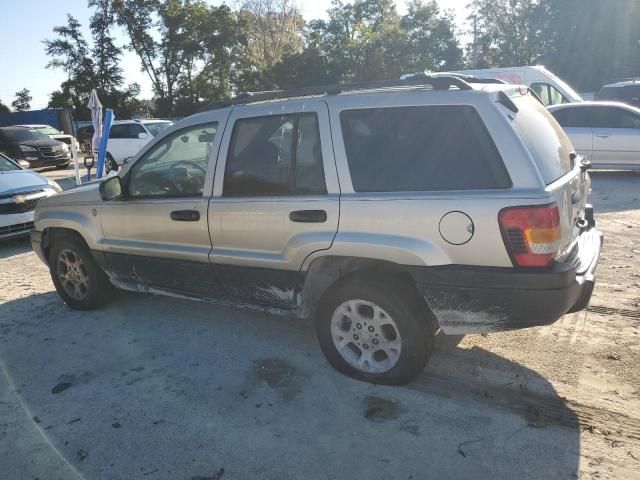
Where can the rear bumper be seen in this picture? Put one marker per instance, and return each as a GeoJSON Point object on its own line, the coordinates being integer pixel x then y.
{"type": "Point", "coordinates": [467, 299]}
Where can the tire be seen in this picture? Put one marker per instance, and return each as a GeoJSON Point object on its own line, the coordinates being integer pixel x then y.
{"type": "Point", "coordinates": [89, 287]}
{"type": "Point", "coordinates": [62, 167]}
{"type": "Point", "coordinates": [110, 164]}
{"type": "Point", "coordinates": [407, 333]}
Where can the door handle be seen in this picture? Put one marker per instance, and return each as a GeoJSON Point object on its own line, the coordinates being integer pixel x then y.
{"type": "Point", "coordinates": [603, 136]}
{"type": "Point", "coordinates": [308, 216]}
{"type": "Point", "coordinates": [185, 215]}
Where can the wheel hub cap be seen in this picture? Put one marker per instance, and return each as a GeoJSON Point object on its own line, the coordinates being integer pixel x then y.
{"type": "Point", "coordinates": [366, 336]}
{"type": "Point", "coordinates": [72, 274]}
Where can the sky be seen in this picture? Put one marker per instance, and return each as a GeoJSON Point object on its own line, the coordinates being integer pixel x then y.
{"type": "Point", "coordinates": [25, 24]}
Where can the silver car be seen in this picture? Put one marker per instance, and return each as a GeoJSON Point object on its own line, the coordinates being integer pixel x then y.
{"type": "Point", "coordinates": [608, 133]}
{"type": "Point", "coordinates": [20, 191]}
{"type": "Point", "coordinates": [384, 211]}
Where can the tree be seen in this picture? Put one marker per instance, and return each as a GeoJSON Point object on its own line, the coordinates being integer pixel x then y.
{"type": "Point", "coordinates": [88, 67]}
{"type": "Point", "coordinates": [4, 108]}
{"type": "Point", "coordinates": [510, 32]}
{"type": "Point", "coordinates": [22, 101]}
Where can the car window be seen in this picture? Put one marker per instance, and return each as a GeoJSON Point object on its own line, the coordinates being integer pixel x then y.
{"type": "Point", "coordinates": [613, 117]}
{"type": "Point", "coordinates": [421, 149]}
{"type": "Point", "coordinates": [22, 135]}
{"type": "Point", "coordinates": [175, 166]}
{"type": "Point", "coordinates": [47, 130]}
{"type": "Point", "coordinates": [7, 165]}
{"type": "Point", "coordinates": [609, 93]}
{"type": "Point", "coordinates": [135, 129]}
{"type": "Point", "coordinates": [575, 117]}
{"type": "Point", "coordinates": [549, 146]}
{"type": "Point", "coordinates": [549, 94]}
{"type": "Point", "coordinates": [119, 131]}
{"type": "Point", "coordinates": [156, 127]}
{"type": "Point", "coordinates": [275, 155]}
{"type": "Point", "coordinates": [631, 93]}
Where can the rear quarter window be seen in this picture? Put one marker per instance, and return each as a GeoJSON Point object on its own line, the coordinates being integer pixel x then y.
{"type": "Point", "coordinates": [429, 148]}
{"type": "Point", "coordinates": [549, 146]}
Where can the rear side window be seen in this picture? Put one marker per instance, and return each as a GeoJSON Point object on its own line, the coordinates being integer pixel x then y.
{"type": "Point", "coordinates": [275, 155]}
{"type": "Point", "coordinates": [575, 117]}
{"type": "Point", "coordinates": [549, 146]}
{"type": "Point", "coordinates": [609, 93]}
{"type": "Point", "coordinates": [432, 148]}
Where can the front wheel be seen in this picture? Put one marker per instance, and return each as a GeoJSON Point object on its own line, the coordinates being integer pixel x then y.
{"type": "Point", "coordinates": [77, 277]}
{"type": "Point", "coordinates": [374, 332]}
{"type": "Point", "coordinates": [111, 165]}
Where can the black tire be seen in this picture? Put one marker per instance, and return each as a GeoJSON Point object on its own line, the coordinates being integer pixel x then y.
{"type": "Point", "coordinates": [98, 290]}
{"type": "Point", "coordinates": [409, 314]}
{"type": "Point", "coordinates": [110, 164]}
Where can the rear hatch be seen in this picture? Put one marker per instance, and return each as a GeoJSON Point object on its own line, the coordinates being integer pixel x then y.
{"type": "Point", "coordinates": [559, 166]}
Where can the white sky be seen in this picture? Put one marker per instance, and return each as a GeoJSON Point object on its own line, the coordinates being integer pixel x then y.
{"type": "Point", "coordinates": [25, 66]}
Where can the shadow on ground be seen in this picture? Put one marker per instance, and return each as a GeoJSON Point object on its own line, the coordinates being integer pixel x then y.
{"type": "Point", "coordinates": [614, 191]}
{"type": "Point", "coordinates": [161, 388]}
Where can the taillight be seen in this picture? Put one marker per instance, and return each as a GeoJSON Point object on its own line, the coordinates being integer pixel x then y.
{"type": "Point", "coordinates": [531, 234]}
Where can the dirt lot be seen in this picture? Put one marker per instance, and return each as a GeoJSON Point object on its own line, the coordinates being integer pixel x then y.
{"type": "Point", "coordinates": [160, 388]}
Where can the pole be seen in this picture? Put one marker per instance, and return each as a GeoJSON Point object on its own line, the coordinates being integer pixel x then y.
{"type": "Point", "coordinates": [475, 41]}
{"type": "Point", "coordinates": [74, 155]}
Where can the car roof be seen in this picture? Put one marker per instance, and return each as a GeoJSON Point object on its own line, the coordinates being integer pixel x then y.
{"type": "Point", "coordinates": [592, 104]}
{"type": "Point", "coordinates": [623, 83]}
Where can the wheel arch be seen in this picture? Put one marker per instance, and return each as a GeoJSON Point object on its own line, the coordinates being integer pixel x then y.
{"type": "Point", "coordinates": [326, 271]}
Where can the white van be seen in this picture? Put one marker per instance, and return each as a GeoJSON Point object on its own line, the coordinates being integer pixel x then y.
{"type": "Point", "coordinates": [549, 88]}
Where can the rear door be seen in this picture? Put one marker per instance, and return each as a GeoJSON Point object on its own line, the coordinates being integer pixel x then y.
{"type": "Point", "coordinates": [276, 199]}
{"type": "Point", "coordinates": [577, 122]}
{"type": "Point", "coordinates": [616, 139]}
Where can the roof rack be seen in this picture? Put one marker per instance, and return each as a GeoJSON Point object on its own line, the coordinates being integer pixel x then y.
{"type": "Point", "coordinates": [421, 79]}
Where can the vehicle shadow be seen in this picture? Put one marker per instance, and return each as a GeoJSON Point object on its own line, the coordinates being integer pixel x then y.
{"type": "Point", "coordinates": [614, 191]}
{"type": "Point", "coordinates": [193, 390]}
{"type": "Point", "coordinates": [9, 248]}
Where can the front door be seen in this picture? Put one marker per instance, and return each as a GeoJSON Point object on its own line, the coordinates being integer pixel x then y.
{"type": "Point", "coordinates": [157, 235]}
{"type": "Point", "coordinates": [276, 199]}
{"type": "Point", "coordinates": [616, 139]}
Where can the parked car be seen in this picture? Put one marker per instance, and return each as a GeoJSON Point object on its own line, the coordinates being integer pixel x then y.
{"type": "Point", "coordinates": [20, 191]}
{"type": "Point", "coordinates": [84, 136]}
{"type": "Point", "coordinates": [626, 92]}
{"type": "Point", "coordinates": [54, 134]}
{"type": "Point", "coordinates": [33, 147]}
{"type": "Point", "coordinates": [385, 211]}
{"type": "Point", "coordinates": [127, 137]}
{"type": "Point", "coordinates": [551, 89]}
{"type": "Point", "coordinates": [608, 133]}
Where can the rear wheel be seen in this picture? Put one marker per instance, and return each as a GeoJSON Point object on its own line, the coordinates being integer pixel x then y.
{"type": "Point", "coordinates": [373, 332]}
{"type": "Point", "coordinates": [77, 277]}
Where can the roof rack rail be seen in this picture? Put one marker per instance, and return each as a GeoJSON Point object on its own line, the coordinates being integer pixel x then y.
{"type": "Point", "coordinates": [436, 82]}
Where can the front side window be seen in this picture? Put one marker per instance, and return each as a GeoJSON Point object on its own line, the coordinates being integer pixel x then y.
{"type": "Point", "coordinates": [119, 131]}
{"type": "Point", "coordinates": [156, 127]}
{"type": "Point", "coordinates": [275, 155]}
{"type": "Point", "coordinates": [176, 166]}
{"type": "Point", "coordinates": [431, 148]}
{"type": "Point", "coordinates": [549, 94]}
{"type": "Point", "coordinates": [612, 117]}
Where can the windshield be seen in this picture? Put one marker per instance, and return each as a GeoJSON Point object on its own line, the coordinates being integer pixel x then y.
{"type": "Point", "coordinates": [7, 165]}
{"type": "Point", "coordinates": [46, 129]}
{"type": "Point", "coordinates": [156, 127]}
{"type": "Point", "coordinates": [23, 135]}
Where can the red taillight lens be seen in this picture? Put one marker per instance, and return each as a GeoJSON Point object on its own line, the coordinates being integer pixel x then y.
{"type": "Point", "coordinates": [531, 234]}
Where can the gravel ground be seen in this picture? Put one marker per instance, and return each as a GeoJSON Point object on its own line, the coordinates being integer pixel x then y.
{"type": "Point", "coordinates": [159, 388]}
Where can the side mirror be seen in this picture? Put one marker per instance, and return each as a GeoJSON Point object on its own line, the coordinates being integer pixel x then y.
{"type": "Point", "coordinates": [143, 136]}
{"type": "Point", "coordinates": [111, 189]}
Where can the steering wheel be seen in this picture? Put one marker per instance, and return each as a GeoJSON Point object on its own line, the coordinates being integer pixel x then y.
{"type": "Point", "coordinates": [174, 179]}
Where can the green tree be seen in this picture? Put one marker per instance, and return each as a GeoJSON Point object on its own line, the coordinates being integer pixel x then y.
{"type": "Point", "coordinates": [22, 102]}
{"type": "Point", "coordinates": [593, 42]}
{"type": "Point", "coordinates": [511, 32]}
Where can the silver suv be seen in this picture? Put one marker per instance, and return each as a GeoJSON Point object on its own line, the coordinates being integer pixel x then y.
{"type": "Point", "coordinates": [385, 211]}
